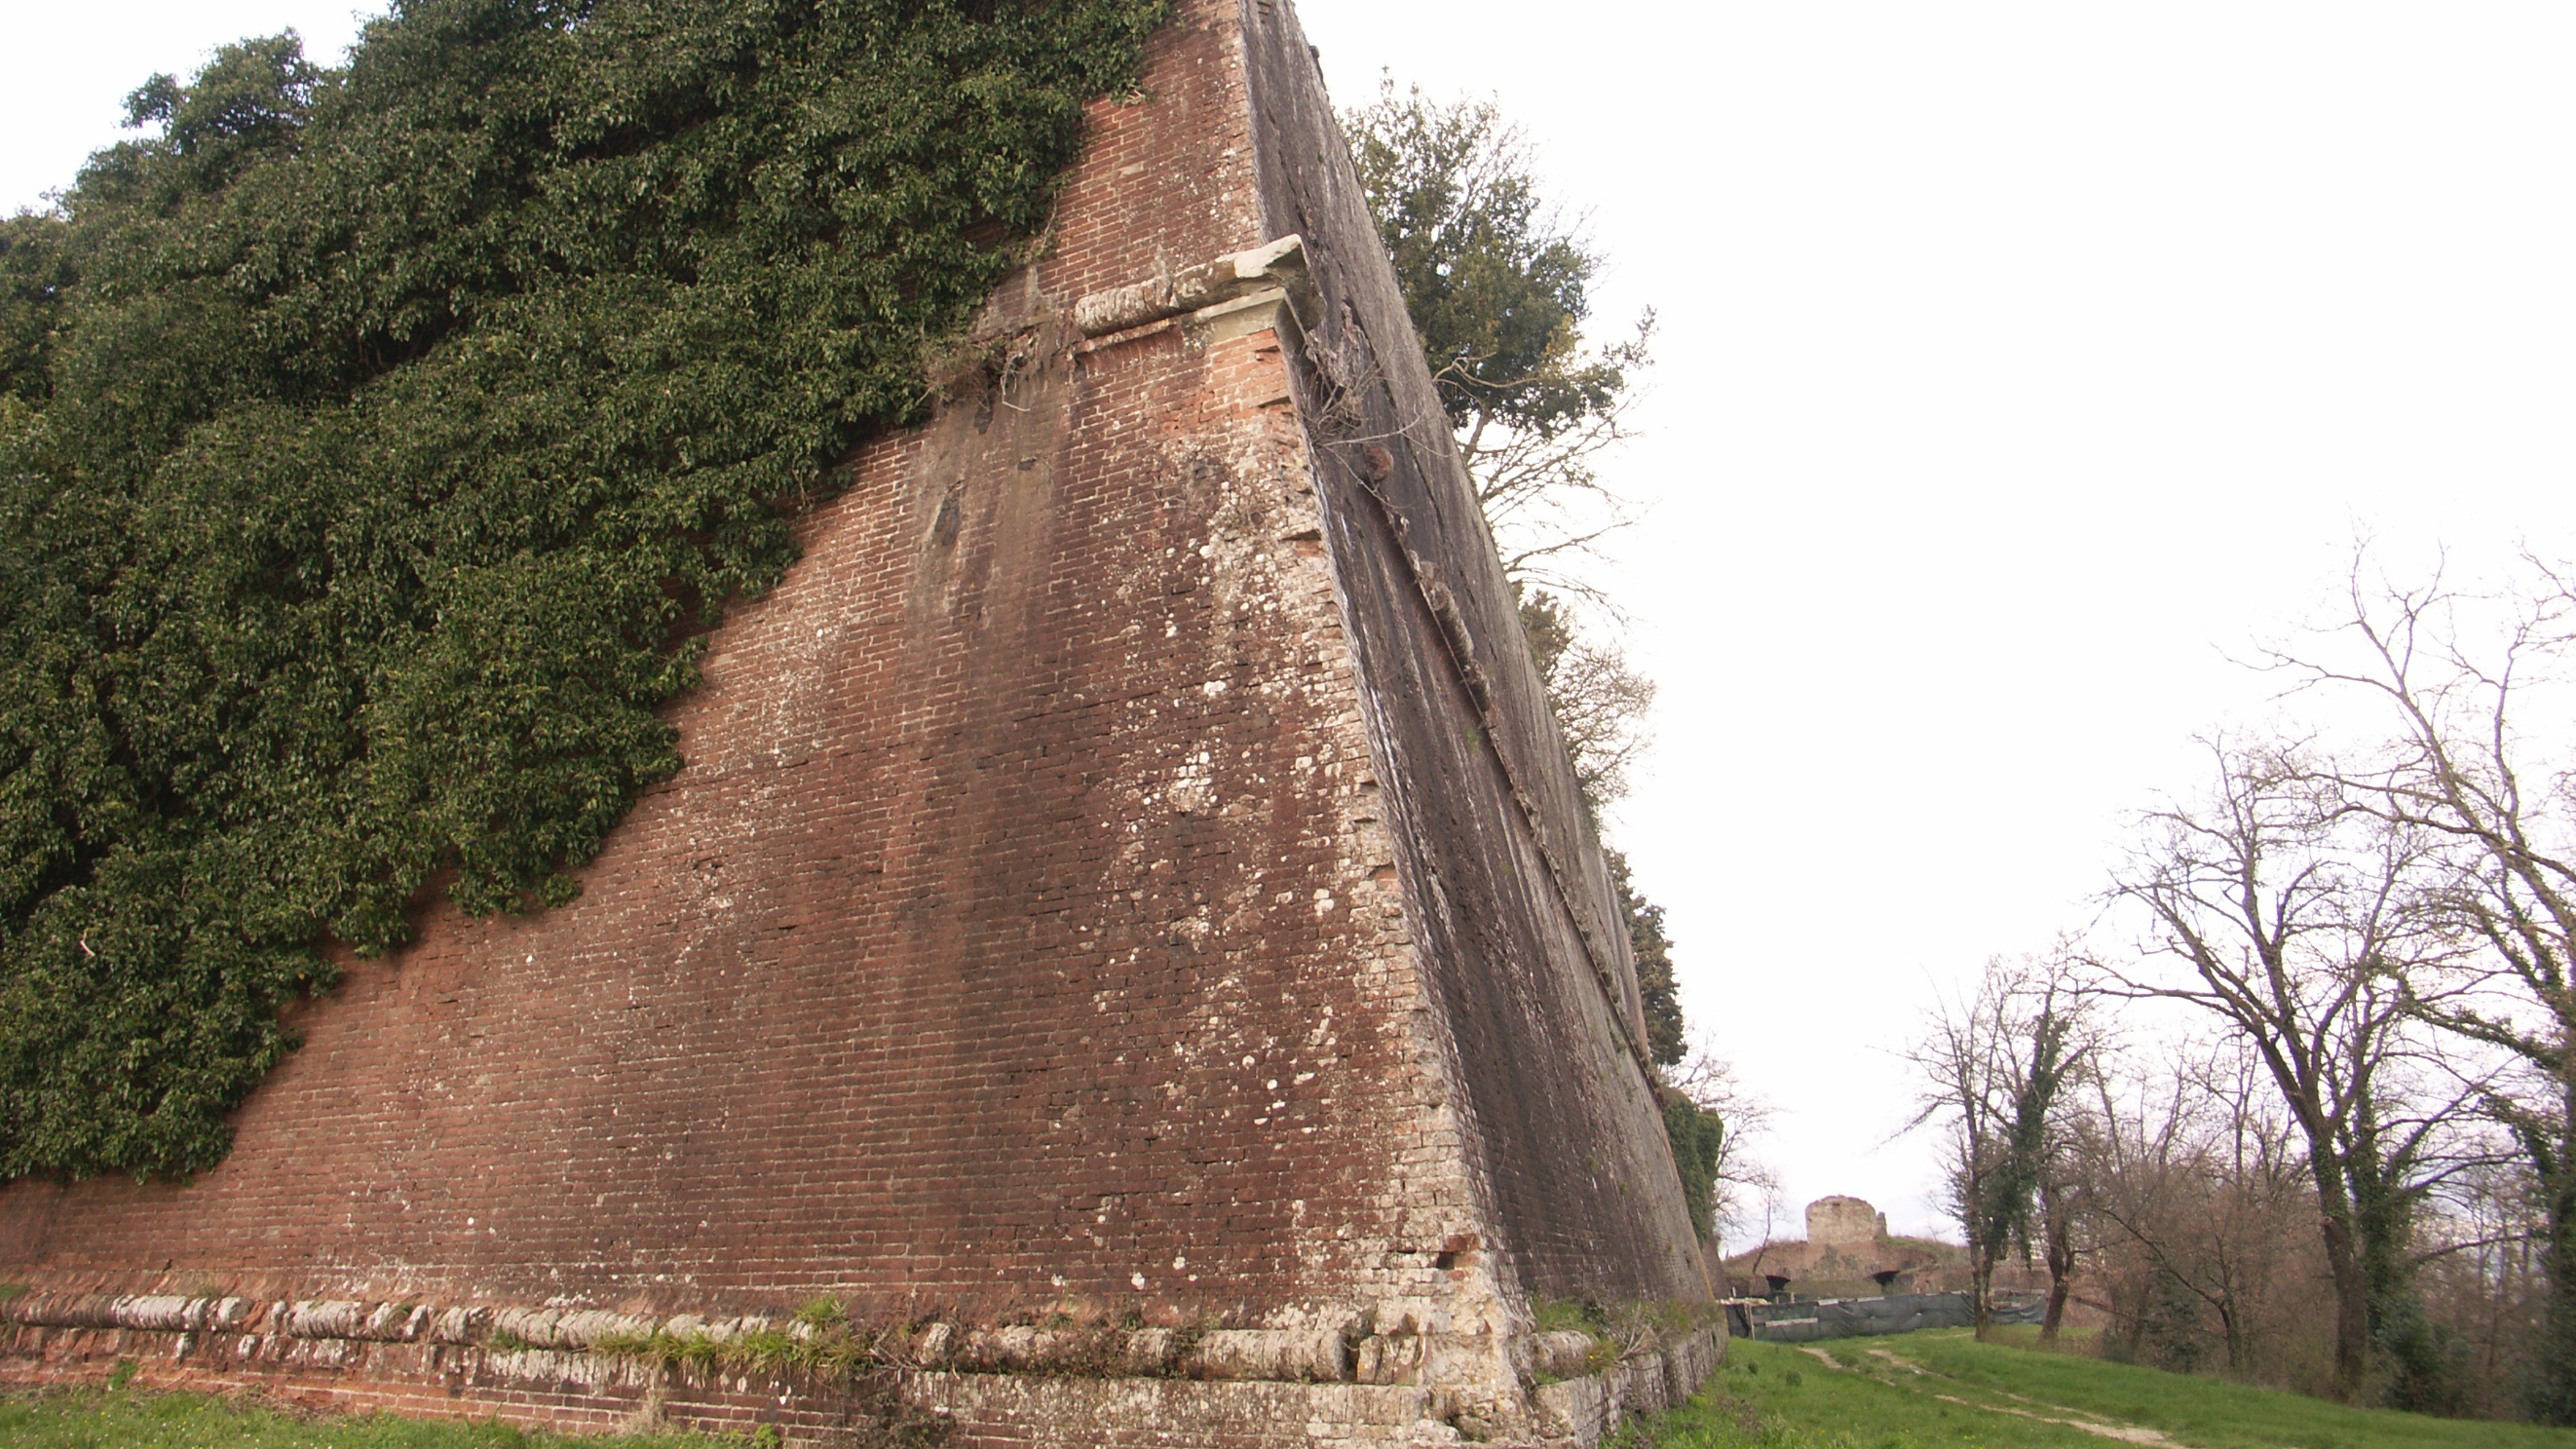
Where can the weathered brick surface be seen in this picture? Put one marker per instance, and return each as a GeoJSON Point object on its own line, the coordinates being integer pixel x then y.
{"type": "Point", "coordinates": [1533, 993]}
{"type": "Point", "coordinates": [1095, 889]}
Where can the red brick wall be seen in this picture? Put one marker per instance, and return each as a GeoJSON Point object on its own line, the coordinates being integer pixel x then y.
{"type": "Point", "coordinates": [1094, 887]}
{"type": "Point", "coordinates": [1013, 864]}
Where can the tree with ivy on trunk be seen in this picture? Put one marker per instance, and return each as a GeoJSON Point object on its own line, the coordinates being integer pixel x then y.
{"type": "Point", "coordinates": [2455, 680]}
{"type": "Point", "coordinates": [2296, 925]}
{"type": "Point", "coordinates": [1995, 1068]}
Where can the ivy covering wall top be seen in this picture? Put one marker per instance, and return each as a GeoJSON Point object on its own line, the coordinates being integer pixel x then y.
{"type": "Point", "coordinates": [375, 443]}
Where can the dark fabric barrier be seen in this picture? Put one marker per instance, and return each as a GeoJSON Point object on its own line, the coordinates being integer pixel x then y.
{"type": "Point", "coordinates": [1802, 1321]}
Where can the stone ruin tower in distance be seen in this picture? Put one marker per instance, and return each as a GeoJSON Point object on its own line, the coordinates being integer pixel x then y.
{"type": "Point", "coordinates": [1126, 915]}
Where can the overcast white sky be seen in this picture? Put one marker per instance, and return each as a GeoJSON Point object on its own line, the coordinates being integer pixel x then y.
{"type": "Point", "coordinates": [2018, 360]}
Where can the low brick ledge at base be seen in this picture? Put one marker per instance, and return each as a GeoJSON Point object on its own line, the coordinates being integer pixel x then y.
{"type": "Point", "coordinates": [358, 1357]}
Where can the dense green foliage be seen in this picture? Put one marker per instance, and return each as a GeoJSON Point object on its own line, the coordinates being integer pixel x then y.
{"type": "Point", "coordinates": [375, 442]}
{"type": "Point", "coordinates": [1698, 1139]}
{"type": "Point", "coordinates": [1696, 1134]}
{"type": "Point", "coordinates": [2551, 1390]}
{"type": "Point", "coordinates": [1665, 1035]}
{"type": "Point", "coordinates": [1496, 282]}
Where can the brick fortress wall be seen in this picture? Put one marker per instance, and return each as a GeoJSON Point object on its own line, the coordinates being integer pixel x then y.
{"type": "Point", "coordinates": [1525, 957]}
{"type": "Point", "coordinates": [1099, 892]}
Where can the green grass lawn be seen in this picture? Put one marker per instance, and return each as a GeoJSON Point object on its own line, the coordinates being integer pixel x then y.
{"type": "Point", "coordinates": [1942, 1387]}
{"type": "Point", "coordinates": [134, 1419]}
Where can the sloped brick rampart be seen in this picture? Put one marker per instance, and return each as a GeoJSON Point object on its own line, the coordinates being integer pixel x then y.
{"type": "Point", "coordinates": [1526, 961]}
{"type": "Point", "coordinates": [1122, 877]}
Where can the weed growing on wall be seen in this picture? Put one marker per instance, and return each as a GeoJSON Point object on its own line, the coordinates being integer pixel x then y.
{"type": "Point", "coordinates": [375, 443]}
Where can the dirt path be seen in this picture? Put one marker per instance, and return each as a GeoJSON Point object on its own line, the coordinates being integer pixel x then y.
{"type": "Point", "coordinates": [2074, 1418]}
{"type": "Point", "coordinates": [2107, 1428]}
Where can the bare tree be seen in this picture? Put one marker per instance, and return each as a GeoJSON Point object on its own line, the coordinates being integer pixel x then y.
{"type": "Point", "coordinates": [2459, 767]}
{"type": "Point", "coordinates": [1747, 1198]}
{"type": "Point", "coordinates": [2300, 932]}
{"type": "Point", "coordinates": [1543, 490]}
{"type": "Point", "coordinates": [1994, 1070]}
{"type": "Point", "coordinates": [1600, 702]}
{"type": "Point", "coordinates": [2196, 1191]}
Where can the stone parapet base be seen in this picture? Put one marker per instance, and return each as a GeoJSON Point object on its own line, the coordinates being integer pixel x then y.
{"type": "Point", "coordinates": [582, 1390]}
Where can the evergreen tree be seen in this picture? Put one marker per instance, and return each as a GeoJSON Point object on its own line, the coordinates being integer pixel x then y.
{"type": "Point", "coordinates": [1661, 996]}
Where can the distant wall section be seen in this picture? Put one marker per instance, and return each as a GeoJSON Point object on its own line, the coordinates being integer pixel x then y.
{"type": "Point", "coordinates": [1844, 1220]}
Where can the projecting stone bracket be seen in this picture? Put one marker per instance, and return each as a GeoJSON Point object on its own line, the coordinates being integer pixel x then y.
{"type": "Point", "coordinates": [1236, 294]}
